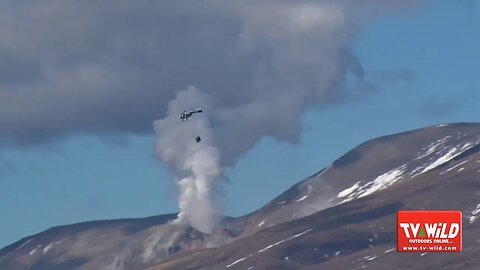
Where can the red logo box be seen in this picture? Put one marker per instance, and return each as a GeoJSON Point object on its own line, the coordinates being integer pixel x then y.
{"type": "Point", "coordinates": [429, 231]}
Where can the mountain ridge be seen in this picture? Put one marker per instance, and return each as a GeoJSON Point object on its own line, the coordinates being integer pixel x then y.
{"type": "Point", "coordinates": [369, 169]}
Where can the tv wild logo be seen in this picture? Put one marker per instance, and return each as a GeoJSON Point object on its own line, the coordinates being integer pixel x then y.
{"type": "Point", "coordinates": [434, 230]}
{"type": "Point", "coordinates": [429, 231]}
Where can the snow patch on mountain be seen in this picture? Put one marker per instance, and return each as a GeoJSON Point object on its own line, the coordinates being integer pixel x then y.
{"type": "Point", "coordinates": [302, 198]}
{"type": "Point", "coordinates": [453, 167]}
{"type": "Point", "coordinates": [474, 214]}
{"type": "Point", "coordinates": [284, 240]}
{"type": "Point", "coordinates": [389, 250]}
{"type": "Point", "coordinates": [384, 181]}
{"type": "Point", "coordinates": [237, 261]}
{"type": "Point", "coordinates": [350, 190]}
{"type": "Point", "coordinates": [432, 147]}
{"type": "Point", "coordinates": [448, 156]}
{"type": "Point", "coordinates": [47, 248]}
{"type": "Point", "coordinates": [24, 244]}
{"type": "Point", "coordinates": [267, 248]}
{"type": "Point", "coordinates": [34, 250]}
{"type": "Point", "coordinates": [370, 258]}
{"type": "Point", "coordinates": [442, 151]}
{"type": "Point", "coordinates": [379, 183]}
{"type": "Point", "coordinates": [432, 156]}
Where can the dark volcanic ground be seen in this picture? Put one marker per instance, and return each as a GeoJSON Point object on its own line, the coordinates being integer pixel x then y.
{"type": "Point", "coordinates": [359, 234]}
{"type": "Point", "coordinates": [340, 218]}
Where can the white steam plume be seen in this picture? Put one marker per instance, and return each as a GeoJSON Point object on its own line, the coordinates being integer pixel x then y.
{"type": "Point", "coordinates": [269, 62]}
{"type": "Point", "coordinates": [197, 165]}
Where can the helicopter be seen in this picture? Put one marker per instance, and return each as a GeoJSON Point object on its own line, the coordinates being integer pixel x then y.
{"type": "Point", "coordinates": [185, 115]}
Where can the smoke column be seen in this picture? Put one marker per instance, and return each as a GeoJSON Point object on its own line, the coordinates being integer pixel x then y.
{"type": "Point", "coordinates": [277, 58]}
{"type": "Point", "coordinates": [196, 165]}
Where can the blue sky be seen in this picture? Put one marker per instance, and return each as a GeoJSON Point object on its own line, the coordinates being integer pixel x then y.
{"type": "Point", "coordinates": [434, 48]}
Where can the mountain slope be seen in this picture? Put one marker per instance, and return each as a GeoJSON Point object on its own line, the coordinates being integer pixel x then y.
{"type": "Point", "coordinates": [360, 233]}
{"type": "Point", "coordinates": [338, 194]}
{"type": "Point", "coordinates": [372, 166]}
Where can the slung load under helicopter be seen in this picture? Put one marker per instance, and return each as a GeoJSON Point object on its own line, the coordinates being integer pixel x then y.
{"type": "Point", "coordinates": [185, 116]}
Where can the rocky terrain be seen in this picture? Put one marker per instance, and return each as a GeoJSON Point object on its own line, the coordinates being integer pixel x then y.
{"type": "Point", "coordinates": [342, 217]}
